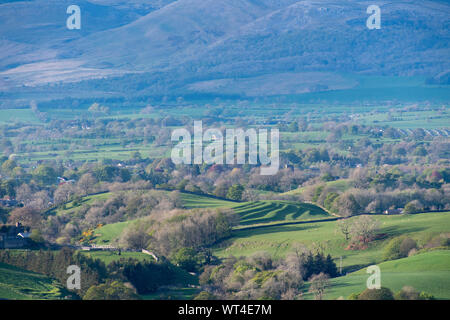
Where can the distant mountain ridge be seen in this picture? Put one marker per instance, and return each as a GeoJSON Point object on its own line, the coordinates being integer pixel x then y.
{"type": "Point", "coordinates": [235, 46]}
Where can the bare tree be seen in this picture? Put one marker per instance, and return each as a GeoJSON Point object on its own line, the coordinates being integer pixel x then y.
{"type": "Point", "coordinates": [319, 282]}
{"type": "Point", "coordinates": [86, 183]}
{"type": "Point", "coordinates": [344, 226]}
{"type": "Point", "coordinates": [363, 229]}
{"type": "Point", "coordinates": [26, 216]}
{"type": "Point", "coordinates": [63, 193]}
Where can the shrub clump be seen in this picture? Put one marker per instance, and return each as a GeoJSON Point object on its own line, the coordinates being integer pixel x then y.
{"type": "Point", "coordinates": [399, 248]}
{"type": "Point", "coordinates": [376, 294]}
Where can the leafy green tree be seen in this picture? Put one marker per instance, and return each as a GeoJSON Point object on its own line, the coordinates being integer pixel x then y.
{"type": "Point", "coordinates": [398, 248]}
{"type": "Point", "coordinates": [8, 166]}
{"type": "Point", "coordinates": [235, 192]}
{"type": "Point", "coordinates": [182, 184]}
{"type": "Point", "coordinates": [45, 175]}
{"type": "Point", "coordinates": [392, 250]}
{"type": "Point", "coordinates": [114, 290]}
{"type": "Point", "coordinates": [186, 258]}
{"type": "Point", "coordinates": [328, 202]}
{"type": "Point", "coordinates": [413, 207]}
{"type": "Point", "coordinates": [109, 173]}
{"type": "Point", "coordinates": [7, 187]}
{"type": "Point", "coordinates": [223, 225]}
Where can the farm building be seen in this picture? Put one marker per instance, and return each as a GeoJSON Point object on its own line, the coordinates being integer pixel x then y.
{"type": "Point", "coordinates": [12, 237]}
{"type": "Point", "coordinates": [393, 211]}
{"type": "Point", "coordinates": [8, 202]}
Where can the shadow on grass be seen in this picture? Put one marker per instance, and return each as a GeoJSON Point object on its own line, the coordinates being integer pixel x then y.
{"type": "Point", "coordinates": [246, 233]}
{"type": "Point", "coordinates": [355, 267]}
{"type": "Point", "coordinates": [400, 230]}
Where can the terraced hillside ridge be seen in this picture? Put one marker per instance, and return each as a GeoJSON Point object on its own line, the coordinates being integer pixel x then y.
{"type": "Point", "coordinates": [252, 213]}
{"type": "Point", "coordinates": [20, 284]}
{"type": "Point", "coordinates": [277, 211]}
{"type": "Point", "coordinates": [428, 271]}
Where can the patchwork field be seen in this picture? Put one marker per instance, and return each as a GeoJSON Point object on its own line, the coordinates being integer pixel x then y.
{"type": "Point", "coordinates": [18, 115]}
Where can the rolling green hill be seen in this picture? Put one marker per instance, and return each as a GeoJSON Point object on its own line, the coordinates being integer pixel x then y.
{"type": "Point", "coordinates": [70, 207]}
{"type": "Point", "coordinates": [191, 201]}
{"type": "Point", "coordinates": [279, 240]}
{"type": "Point", "coordinates": [20, 284]}
{"type": "Point", "coordinates": [428, 271]}
{"type": "Point", "coordinates": [340, 185]}
{"type": "Point", "coordinates": [252, 213]}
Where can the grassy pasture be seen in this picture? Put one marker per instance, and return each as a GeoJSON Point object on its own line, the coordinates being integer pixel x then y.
{"type": "Point", "coordinates": [428, 271]}
{"type": "Point", "coordinates": [279, 240]}
{"type": "Point", "coordinates": [109, 256]}
{"type": "Point", "coordinates": [18, 115]}
{"type": "Point", "coordinates": [340, 185]}
{"type": "Point", "coordinates": [107, 233]}
{"type": "Point", "coordinates": [191, 201]}
{"type": "Point", "coordinates": [20, 284]}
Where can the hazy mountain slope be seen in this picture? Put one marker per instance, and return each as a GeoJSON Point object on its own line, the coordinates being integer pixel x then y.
{"type": "Point", "coordinates": [233, 46]}
{"type": "Point", "coordinates": [190, 41]}
{"type": "Point", "coordinates": [172, 34]}
{"type": "Point", "coordinates": [332, 36]}
{"type": "Point", "coordinates": [142, 7]}
{"type": "Point", "coordinates": [36, 30]}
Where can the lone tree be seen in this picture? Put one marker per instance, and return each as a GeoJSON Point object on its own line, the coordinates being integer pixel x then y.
{"type": "Point", "coordinates": [363, 229]}
{"type": "Point", "coordinates": [235, 192]}
{"type": "Point", "coordinates": [344, 226]}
